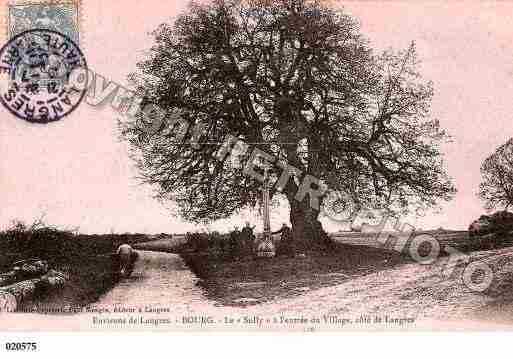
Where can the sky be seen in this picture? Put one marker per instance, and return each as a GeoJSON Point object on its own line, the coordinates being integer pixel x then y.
{"type": "Point", "coordinates": [76, 173]}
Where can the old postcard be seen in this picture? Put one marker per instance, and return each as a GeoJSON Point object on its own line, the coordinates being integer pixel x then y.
{"type": "Point", "coordinates": [255, 165]}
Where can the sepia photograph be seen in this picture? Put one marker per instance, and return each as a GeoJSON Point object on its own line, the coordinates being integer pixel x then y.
{"type": "Point", "coordinates": [234, 166]}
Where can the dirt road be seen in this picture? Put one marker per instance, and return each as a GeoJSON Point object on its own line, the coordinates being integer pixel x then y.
{"type": "Point", "coordinates": [410, 291]}
{"type": "Point", "coordinates": [161, 282]}
{"type": "Point", "coordinates": [159, 279]}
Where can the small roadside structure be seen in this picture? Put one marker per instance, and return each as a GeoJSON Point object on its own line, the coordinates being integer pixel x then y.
{"type": "Point", "coordinates": [480, 226]}
{"type": "Point", "coordinates": [500, 222]}
{"type": "Point", "coordinates": [491, 230]}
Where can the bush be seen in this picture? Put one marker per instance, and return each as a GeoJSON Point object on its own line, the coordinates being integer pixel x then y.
{"type": "Point", "coordinates": [500, 223]}
{"type": "Point", "coordinates": [197, 241]}
{"type": "Point", "coordinates": [229, 245]}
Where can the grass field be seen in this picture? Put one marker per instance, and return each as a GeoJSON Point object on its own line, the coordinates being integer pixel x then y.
{"type": "Point", "coordinates": [456, 239]}
{"type": "Point", "coordinates": [247, 280]}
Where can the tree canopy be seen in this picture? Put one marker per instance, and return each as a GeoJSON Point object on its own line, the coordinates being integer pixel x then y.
{"type": "Point", "coordinates": [496, 188]}
{"type": "Point", "coordinates": [298, 80]}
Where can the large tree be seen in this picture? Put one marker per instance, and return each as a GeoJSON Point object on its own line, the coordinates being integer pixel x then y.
{"type": "Point", "coordinates": [296, 78]}
{"type": "Point", "coordinates": [496, 188]}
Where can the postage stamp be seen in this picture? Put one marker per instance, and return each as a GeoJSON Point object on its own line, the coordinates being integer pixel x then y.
{"type": "Point", "coordinates": [61, 16]}
{"type": "Point", "coordinates": [36, 67]}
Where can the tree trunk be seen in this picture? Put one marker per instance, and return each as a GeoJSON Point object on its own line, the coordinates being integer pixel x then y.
{"type": "Point", "coordinates": [8, 302]}
{"type": "Point", "coordinates": [22, 290]}
{"type": "Point", "coordinates": [8, 278]}
{"type": "Point", "coordinates": [26, 289]}
{"type": "Point", "coordinates": [25, 271]}
{"type": "Point", "coordinates": [306, 228]}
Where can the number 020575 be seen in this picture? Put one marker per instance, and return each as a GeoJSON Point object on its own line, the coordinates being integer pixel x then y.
{"type": "Point", "coordinates": [20, 346]}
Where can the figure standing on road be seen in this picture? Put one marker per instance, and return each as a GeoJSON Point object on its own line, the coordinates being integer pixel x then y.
{"type": "Point", "coordinates": [247, 237]}
{"type": "Point", "coordinates": [286, 245]}
{"type": "Point", "coordinates": [234, 242]}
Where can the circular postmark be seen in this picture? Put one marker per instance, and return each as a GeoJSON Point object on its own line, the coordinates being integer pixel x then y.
{"type": "Point", "coordinates": [35, 68]}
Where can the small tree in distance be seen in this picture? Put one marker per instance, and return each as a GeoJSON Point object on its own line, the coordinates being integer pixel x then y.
{"type": "Point", "coordinates": [496, 188]}
{"type": "Point", "coordinates": [297, 78]}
